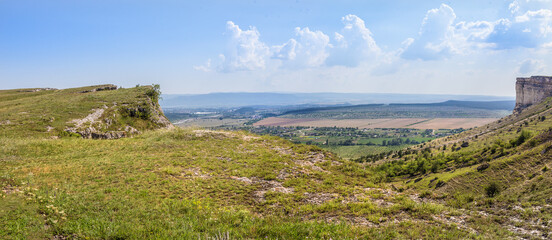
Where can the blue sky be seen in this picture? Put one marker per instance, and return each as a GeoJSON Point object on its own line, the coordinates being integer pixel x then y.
{"type": "Point", "coordinates": [441, 47]}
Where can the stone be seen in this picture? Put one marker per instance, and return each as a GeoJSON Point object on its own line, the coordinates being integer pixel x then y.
{"type": "Point", "coordinates": [104, 88]}
{"type": "Point", "coordinates": [531, 91]}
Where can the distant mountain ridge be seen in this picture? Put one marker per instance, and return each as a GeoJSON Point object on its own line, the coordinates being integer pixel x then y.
{"type": "Point", "coordinates": [491, 105]}
{"type": "Point", "coordinates": [217, 100]}
{"type": "Point", "coordinates": [447, 109]}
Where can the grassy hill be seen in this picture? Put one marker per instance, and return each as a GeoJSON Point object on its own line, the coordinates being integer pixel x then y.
{"type": "Point", "coordinates": [500, 170]}
{"type": "Point", "coordinates": [96, 112]}
{"type": "Point", "coordinates": [166, 183]}
{"type": "Point", "coordinates": [448, 109]}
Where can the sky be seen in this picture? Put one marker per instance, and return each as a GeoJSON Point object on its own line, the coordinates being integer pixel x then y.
{"type": "Point", "coordinates": [190, 47]}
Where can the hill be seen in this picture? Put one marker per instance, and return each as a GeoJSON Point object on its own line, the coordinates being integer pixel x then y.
{"type": "Point", "coordinates": [93, 112]}
{"type": "Point", "coordinates": [500, 170]}
{"type": "Point", "coordinates": [195, 183]}
{"type": "Point", "coordinates": [447, 109]}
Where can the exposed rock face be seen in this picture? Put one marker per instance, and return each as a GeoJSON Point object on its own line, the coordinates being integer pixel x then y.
{"type": "Point", "coordinates": [531, 91]}
{"type": "Point", "coordinates": [106, 122]}
{"type": "Point", "coordinates": [103, 88]}
{"type": "Point", "coordinates": [37, 89]}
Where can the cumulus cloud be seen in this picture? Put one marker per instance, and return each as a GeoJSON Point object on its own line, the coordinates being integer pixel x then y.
{"type": "Point", "coordinates": [434, 40]}
{"type": "Point", "coordinates": [285, 51]}
{"type": "Point", "coordinates": [514, 6]}
{"type": "Point", "coordinates": [508, 35]}
{"type": "Point", "coordinates": [244, 51]}
{"type": "Point", "coordinates": [354, 44]}
{"type": "Point", "coordinates": [530, 26]}
{"type": "Point", "coordinates": [310, 49]}
{"type": "Point", "coordinates": [530, 30]}
{"type": "Point", "coordinates": [205, 67]}
{"type": "Point", "coordinates": [531, 66]}
{"type": "Point", "coordinates": [440, 37]}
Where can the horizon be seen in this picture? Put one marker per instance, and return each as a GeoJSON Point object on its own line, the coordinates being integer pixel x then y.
{"type": "Point", "coordinates": [275, 92]}
{"type": "Point", "coordinates": [430, 47]}
{"type": "Point", "coordinates": [383, 93]}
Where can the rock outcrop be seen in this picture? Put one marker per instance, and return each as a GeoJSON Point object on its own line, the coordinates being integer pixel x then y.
{"type": "Point", "coordinates": [37, 89]}
{"type": "Point", "coordinates": [531, 91]}
{"type": "Point", "coordinates": [108, 87]}
{"type": "Point", "coordinates": [124, 118]}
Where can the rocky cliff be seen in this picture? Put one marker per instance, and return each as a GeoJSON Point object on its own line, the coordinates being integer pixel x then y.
{"type": "Point", "coordinates": [126, 117]}
{"type": "Point", "coordinates": [99, 112]}
{"type": "Point", "coordinates": [532, 90]}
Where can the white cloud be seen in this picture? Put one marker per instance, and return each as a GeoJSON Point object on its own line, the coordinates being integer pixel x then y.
{"type": "Point", "coordinates": [541, 18]}
{"type": "Point", "coordinates": [547, 45]}
{"type": "Point", "coordinates": [435, 37]}
{"type": "Point", "coordinates": [309, 50]}
{"type": "Point", "coordinates": [244, 51]}
{"type": "Point", "coordinates": [514, 6]}
{"type": "Point", "coordinates": [440, 37]}
{"type": "Point", "coordinates": [474, 31]}
{"type": "Point", "coordinates": [531, 67]}
{"type": "Point", "coordinates": [529, 27]}
{"type": "Point", "coordinates": [204, 68]}
{"type": "Point", "coordinates": [354, 44]}
{"type": "Point", "coordinates": [285, 51]}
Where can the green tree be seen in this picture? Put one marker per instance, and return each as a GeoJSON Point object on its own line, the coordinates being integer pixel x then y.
{"type": "Point", "coordinates": [154, 92]}
{"type": "Point", "coordinates": [492, 189]}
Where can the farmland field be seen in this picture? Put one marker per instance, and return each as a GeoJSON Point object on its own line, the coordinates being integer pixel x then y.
{"type": "Point", "coordinates": [209, 122]}
{"type": "Point", "coordinates": [415, 123]}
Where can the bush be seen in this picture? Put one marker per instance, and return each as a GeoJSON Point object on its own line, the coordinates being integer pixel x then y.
{"type": "Point", "coordinates": [142, 112]}
{"type": "Point", "coordinates": [154, 92]}
{"type": "Point", "coordinates": [523, 136]}
{"type": "Point", "coordinates": [62, 134]}
{"type": "Point", "coordinates": [492, 189]}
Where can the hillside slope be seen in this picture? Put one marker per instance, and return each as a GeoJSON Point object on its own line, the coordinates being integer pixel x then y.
{"type": "Point", "coordinates": [194, 183]}
{"type": "Point", "coordinates": [93, 112]}
{"type": "Point", "coordinates": [448, 109]}
{"type": "Point", "coordinates": [501, 170]}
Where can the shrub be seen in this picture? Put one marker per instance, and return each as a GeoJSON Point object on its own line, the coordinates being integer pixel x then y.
{"type": "Point", "coordinates": [425, 194]}
{"type": "Point", "coordinates": [154, 92]}
{"type": "Point", "coordinates": [142, 112]}
{"type": "Point", "coordinates": [62, 134]}
{"type": "Point", "coordinates": [533, 143]}
{"type": "Point", "coordinates": [523, 136]}
{"type": "Point", "coordinates": [492, 189]}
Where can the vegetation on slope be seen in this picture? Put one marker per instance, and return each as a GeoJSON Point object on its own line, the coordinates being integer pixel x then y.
{"type": "Point", "coordinates": [501, 169]}
{"type": "Point", "coordinates": [449, 109]}
{"type": "Point", "coordinates": [186, 183]}
{"type": "Point", "coordinates": [102, 110]}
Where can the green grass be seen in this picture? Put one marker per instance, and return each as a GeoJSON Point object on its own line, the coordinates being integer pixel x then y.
{"type": "Point", "coordinates": [194, 183]}
{"type": "Point", "coordinates": [48, 113]}
{"type": "Point", "coordinates": [352, 152]}
{"type": "Point", "coordinates": [177, 184]}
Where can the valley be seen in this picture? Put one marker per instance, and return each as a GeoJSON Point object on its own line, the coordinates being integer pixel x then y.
{"type": "Point", "coordinates": [413, 123]}
{"type": "Point", "coordinates": [61, 178]}
{"type": "Point", "coordinates": [276, 120]}
{"type": "Point", "coordinates": [329, 126]}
